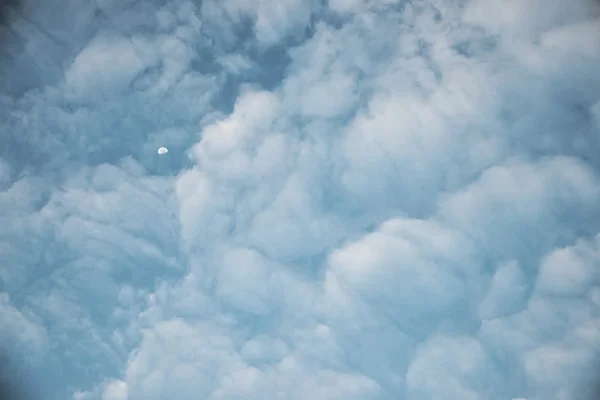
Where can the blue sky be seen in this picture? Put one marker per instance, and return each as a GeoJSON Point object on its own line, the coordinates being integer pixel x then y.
{"type": "Point", "coordinates": [362, 199]}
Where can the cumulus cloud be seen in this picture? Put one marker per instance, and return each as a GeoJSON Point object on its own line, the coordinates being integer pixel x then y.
{"type": "Point", "coordinates": [361, 199]}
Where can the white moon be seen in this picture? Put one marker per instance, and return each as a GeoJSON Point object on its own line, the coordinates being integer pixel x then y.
{"type": "Point", "coordinates": [163, 150]}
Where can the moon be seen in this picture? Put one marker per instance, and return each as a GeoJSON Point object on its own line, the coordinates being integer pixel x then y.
{"type": "Point", "coordinates": [162, 150]}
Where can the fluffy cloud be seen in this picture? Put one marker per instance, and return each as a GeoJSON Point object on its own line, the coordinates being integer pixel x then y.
{"type": "Point", "coordinates": [361, 199]}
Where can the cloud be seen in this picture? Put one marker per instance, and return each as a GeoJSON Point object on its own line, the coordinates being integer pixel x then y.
{"type": "Point", "coordinates": [507, 292]}
{"type": "Point", "coordinates": [115, 390]}
{"type": "Point", "coordinates": [24, 329]}
{"type": "Point", "coordinates": [530, 17]}
{"type": "Point", "coordinates": [361, 199]}
{"type": "Point", "coordinates": [401, 264]}
{"type": "Point", "coordinates": [107, 62]}
{"type": "Point", "coordinates": [447, 368]}
{"type": "Point", "coordinates": [570, 271]}
{"type": "Point", "coordinates": [527, 199]}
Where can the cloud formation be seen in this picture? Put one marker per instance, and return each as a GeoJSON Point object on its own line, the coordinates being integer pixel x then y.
{"type": "Point", "coordinates": [362, 199]}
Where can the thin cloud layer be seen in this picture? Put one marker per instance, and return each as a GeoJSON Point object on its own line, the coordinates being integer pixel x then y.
{"type": "Point", "coordinates": [361, 199]}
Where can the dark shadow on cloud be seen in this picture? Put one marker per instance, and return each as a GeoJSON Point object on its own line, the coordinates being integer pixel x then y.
{"type": "Point", "coordinates": [14, 382]}
{"type": "Point", "coordinates": [6, 9]}
{"type": "Point", "coordinates": [35, 44]}
{"type": "Point", "coordinates": [592, 391]}
{"type": "Point", "coordinates": [9, 42]}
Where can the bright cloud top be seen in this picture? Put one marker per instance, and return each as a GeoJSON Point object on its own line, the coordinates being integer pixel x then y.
{"type": "Point", "coordinates": [361, 199]}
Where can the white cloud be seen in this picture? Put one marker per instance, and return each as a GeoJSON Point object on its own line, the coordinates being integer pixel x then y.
{"type": "Point", "coordinates": [243, 281]}
{"type": "Point", "coordinates": [530, 200]}
{"type": "Point", "coordinates": [271, 23]}
{"type": "Point", "coordinates": [571, 271]}
{"type": "Point", "coordinates": [402, 264]}
{"type": "Point", "coordinates": [529, 17]}
{"type": "Point", "coordinates": [558, 39]}
{"type": "Point", "coordinates": [109, 62]}
{"type": "Point", "coordinates": [115, 390]}
{"type": "Point", "coordinates": [448, 368]}
{"type": "Point", "coordinates": [275, 20]}
{"type": "Point", "coordinates": [22, 330]}
{"type": "Point", "coordinates": [361, 200]}
{"type": "Point", "coordinates": [264, 349]}
{"type": "Point", "coordinates": [235, 64]}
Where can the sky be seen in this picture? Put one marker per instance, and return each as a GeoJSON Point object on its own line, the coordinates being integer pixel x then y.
{"type": "Point", "coordinates": [362, 199]}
